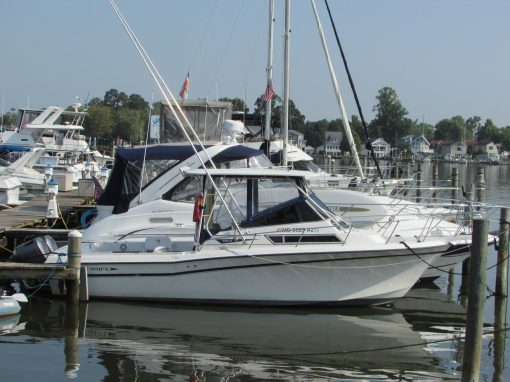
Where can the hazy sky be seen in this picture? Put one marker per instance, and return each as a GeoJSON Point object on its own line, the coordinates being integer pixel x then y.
{"type": "Point", "coordinates": [442, 57]}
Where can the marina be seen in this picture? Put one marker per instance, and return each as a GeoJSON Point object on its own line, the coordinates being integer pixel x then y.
{"type": "Point", "coordinates": [156, 340]}
{"type": "Point", "coordinates": [216, 244]}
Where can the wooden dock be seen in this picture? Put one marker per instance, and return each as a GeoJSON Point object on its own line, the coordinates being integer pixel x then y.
{"type": "Point", "coordinates": [28, 220]}
{"type": "Point", "coordinates": [33, 212]}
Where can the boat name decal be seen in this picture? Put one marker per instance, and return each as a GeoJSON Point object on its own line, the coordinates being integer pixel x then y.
{"type": "Point", "coordinates": [300, 230]}
{"type": "Point", "coordinates": [101, 269]}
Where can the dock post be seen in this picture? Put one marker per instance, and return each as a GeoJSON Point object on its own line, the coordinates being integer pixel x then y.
{"type": "Point", "coordinates": [499, 338]}
{"type": "Point", "coordinates": [476, 302]}
{"type": "Point", "coordinates": [418, 183]}
{"type": "Point", "coordinates": [455, 185]}
{"type": "Point", "coordinates": [74, 262]}
{"type": "Point", "coordinates": [434, 179]}
{"type": "Point", "coordinates": [502, 267]}
{"type": "Point", "coordinates": [480, 187]}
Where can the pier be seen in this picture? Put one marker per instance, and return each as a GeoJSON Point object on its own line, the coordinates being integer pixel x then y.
{"type": "Point", "coordinates": [28, 220]}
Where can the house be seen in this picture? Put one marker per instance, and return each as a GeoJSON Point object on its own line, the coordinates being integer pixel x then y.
{"type": "Point", "coordinates": [486, 151]}
{"type": "Point", "coordinates": [419, 146]}
{"type": "Point", "coordinates": [331, 145]}
{"type": "Point", "coordinates": [297, 139]}
{"type": "Point", "coordinates": [452, 151]}
{"type": "Point", "coordinates": [382, 149]}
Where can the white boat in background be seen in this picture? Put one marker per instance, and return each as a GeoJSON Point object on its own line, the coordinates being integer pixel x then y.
{"type": "Point", "coordinates": [60, 133]}
{"type": "Point", "coordinates": [22, 169]}
{"type": "Point", "coordinates": [9, 304]}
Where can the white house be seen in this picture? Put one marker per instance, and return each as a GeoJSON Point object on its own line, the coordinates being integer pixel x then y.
{"type": "Point", "coordinates": [486, 152]}
{"type": "Point", "coordinates": [452, 151]}
{"type": "Point", "coordinates": [419, 146]}
{"type": "Point", "coordinates": [331, 145]}
{"type": "Point", "coordinates": [382, 149]}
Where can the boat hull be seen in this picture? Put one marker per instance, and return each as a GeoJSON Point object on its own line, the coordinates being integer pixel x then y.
{"type": "Point", "coordinates": [242, 276]}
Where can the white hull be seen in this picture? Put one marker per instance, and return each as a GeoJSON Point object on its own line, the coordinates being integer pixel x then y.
{"type": "Point", "coordinates": [243, 276]}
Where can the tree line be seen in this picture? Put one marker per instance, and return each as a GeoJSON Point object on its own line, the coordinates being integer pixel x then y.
{"type": "Point", "coordinates": [121, 116]}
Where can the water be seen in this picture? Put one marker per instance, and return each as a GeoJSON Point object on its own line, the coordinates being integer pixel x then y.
{"type": "Point", "coordinates": [416, 338]}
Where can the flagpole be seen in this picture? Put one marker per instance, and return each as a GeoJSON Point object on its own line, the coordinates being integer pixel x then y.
{"type": "Point", "coordinates": [286, 84]}
{"type": "Point", "coordinates": [267, 125]}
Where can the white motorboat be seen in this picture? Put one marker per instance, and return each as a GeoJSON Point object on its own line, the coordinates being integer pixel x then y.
{"type": "Point", "coordinates": [9, 304]}
{"type": "Point", "coordinates": [268, 242]}
{"type": "Point", "coordinates": [22, 170]}
{"type": "Point", "coordinates": [59, 133]}
{"type": "Point", "coordinates": [134, 206]}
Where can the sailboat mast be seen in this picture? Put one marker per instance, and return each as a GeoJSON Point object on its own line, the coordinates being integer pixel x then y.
{"type": "Point", "coordinates": [285, 127]}
{"type": "Point", "coordinates": [345, 120]}
{"type": "Point", "coordinates": [267, 124]}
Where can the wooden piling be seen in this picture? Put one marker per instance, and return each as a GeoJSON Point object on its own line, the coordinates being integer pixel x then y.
{"type": "Point", "coordinates": [418, 183]}
{"type": "Point", "coordinates": [455, 185]}
{"type": "Point", "coordinates": [502, 267]}
{"type": "Point", "coordinates": [74, 262]}
{"type": "Point", "coordinates": [500, 305]}
{"type": "Point", "coordinates": [434, 179]}
{"type": "Point", "coordinates": [476, 302]}
{"type": "Point", "coordinates": [480, 187]}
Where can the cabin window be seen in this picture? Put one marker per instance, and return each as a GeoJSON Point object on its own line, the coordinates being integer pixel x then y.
{"type": "Point", "coordinates": [285, 239]}
{"type": "Point", "coordinates": [186, 191]}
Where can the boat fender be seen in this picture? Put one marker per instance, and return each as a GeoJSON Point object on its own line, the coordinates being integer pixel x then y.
{"type": "Point", "coordinates": [87, 217]}
{"type": "Point", "coordinates": [199, 206]}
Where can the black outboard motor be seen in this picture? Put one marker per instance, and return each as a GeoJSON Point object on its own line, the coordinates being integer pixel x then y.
{"type": "Point", "coordinates": [35, 250]}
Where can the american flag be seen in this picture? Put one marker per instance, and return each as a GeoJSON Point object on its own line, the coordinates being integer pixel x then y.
{"type": "Point", "coordinates": [98, 189]}
{"type": "Point", "coordinates": [269, 94]}
{"type": "Point", "coordinates": [184, 88]}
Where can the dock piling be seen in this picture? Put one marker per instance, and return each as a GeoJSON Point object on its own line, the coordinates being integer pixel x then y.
{"type": "Point", "coordinates": [480, 187]}
{"type": "Point", "coordinates": [476, 302]}
{"type": "Point", "coordinates": [74, 262]}
{"type": "Point", "coordinates": [455, 185]}
{"type": "Point", "coordinates": [502, 267]}
{"type": "Point", "coordinates": [418, 183]}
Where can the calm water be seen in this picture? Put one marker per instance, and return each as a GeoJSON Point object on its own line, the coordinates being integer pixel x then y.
{"type": "Point", "coordinates": [416, 338]}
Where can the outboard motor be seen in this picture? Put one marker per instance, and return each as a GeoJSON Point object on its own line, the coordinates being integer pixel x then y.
{"type": "Point", "coordinates": [35, 250]}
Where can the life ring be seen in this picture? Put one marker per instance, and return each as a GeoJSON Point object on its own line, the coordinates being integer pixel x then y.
{"type": "Point", "coordinates": [199, 206]}
{"type": "Point", "coordinates": [87, 217]}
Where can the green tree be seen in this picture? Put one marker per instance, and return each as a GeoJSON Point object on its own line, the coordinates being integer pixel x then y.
{"type": "Point", "coordinates": [260, 106]}
{"type": "Point", "coordinates": [237, 104]}
{"type": "Point", "coordinates": [451, 129]}
{"type": "Point", "coordinates": [136, 102]}
{"type": "Point", "coordinates": [100, 121]}
{"type": "Point", "coordinates": [296, 119]}
{"type": "Point", "coordinates": [505, 138]}
{"type": "Point", "coordinates": [473, 125]}
{"type": "Point", "coordinates": [115, 99]}
{"type": "Point", "coordinates": [422, 128]}
{"type": "Point", "coordinates": [131, 124]}
{"type": "Point", "coordinates": [9, 119]}
{"type": "Point", "coordinates": [488, 131]}
{"type": "Point", "coordinates": [390, 121]}
{"type": "Point", "coordinates": [315, 132]}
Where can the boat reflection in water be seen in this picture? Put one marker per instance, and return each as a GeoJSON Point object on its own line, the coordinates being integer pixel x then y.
{"type": "Point", "coordinates": [150, 341]}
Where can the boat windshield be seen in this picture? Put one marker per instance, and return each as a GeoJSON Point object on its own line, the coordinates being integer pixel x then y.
{"type": "Point", "coordinates": [306, 166]}
{"type": "Point", "coordinates": [257, 202]}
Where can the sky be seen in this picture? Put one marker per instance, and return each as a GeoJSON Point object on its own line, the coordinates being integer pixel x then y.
{"type": "Point", "coordinates": [442, 57]}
